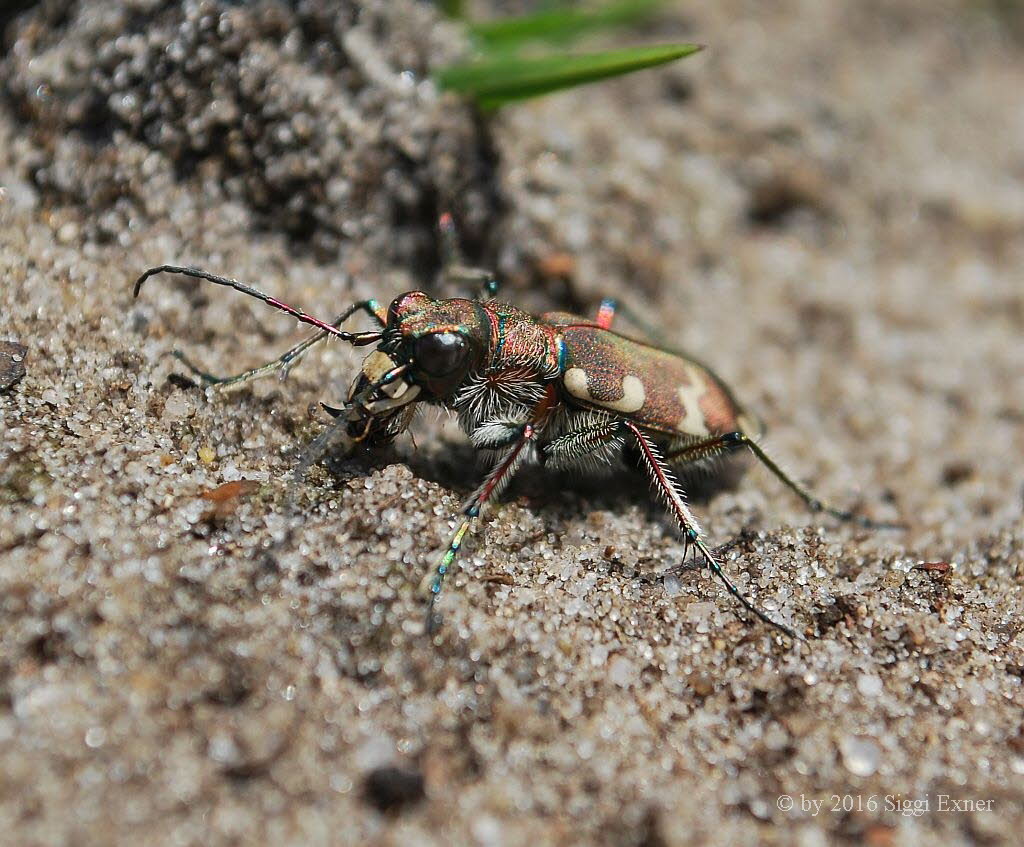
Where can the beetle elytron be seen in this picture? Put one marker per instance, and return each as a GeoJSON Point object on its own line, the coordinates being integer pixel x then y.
{"type": "Point", "coordinates": [561, 390]}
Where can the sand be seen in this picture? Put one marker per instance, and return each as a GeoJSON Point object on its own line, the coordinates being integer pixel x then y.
{"type": "Point", "coordinates": [827, 205]}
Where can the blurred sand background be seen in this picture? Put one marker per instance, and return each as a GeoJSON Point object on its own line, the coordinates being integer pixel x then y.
{"type": "Point", "coordinates": [827, 205]}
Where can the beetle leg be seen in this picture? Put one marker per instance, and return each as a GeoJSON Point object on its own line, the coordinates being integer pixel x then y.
{"type": "Point", "coordinates": [312, 454]}
{"type": "Point", "coordinates": [291, 358]}
{"type": "Point", "coordinates": [598, 442]}
{"type": "Point", "coordinates": [610, 308]}
{"type": "Point", "coordinates": [606, 313]}
{"type": "Point", "coordinates": [666, 485]}
{"type": "Point", "coordinates": [485, 281]}
{"type": "Point", "coordinates": [496, 482]}
{"type": "Point", "coordinates": [732, 440]}
{"type": "Point", "coordinates": [455, 270]}
{"type": "Point", "coordinates": [497, 433]}
{"type": "Point", "coordinates": [696, 451]}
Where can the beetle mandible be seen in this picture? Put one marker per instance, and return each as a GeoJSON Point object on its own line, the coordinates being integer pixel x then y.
{"type": "Point", "coordinates": [562, 390]}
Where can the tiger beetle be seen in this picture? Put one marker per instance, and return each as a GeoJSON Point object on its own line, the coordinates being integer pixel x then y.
{"type": "Point", "coordinates": [564, 391]}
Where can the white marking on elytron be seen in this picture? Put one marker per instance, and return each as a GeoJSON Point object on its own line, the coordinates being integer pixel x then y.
{"type": "Point", "coordinates": [693, 422]}
{"type": "Point", "coordinates": [632, 399]}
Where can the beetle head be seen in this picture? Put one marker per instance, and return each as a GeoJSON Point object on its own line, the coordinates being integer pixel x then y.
{"type": "Point", "coordinates": [427, 350]}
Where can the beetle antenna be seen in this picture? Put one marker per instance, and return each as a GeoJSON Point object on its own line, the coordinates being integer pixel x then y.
{"type": "Point", "coordinates": [357, 339]}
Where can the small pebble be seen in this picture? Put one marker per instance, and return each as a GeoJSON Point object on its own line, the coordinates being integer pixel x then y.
{"type": "Point", "coordinates": [860, 755]}
{"type": "Point", "coordinates": [869, 685]}
{"type": "Point", "coordinates": [12, 363]}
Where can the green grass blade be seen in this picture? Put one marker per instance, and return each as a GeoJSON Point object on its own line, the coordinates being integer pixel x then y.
{"type": "Point", "coordinates": [453, 8]}
{"type": "Point", "coordinates": [559, 24]}
{"type": "Point", "coordinates": [494, 82]}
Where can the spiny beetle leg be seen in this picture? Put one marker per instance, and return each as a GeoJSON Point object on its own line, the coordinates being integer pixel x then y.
{"type": "Point", "coordinates": [598, 441]}
{"type": "Point", "coordinates": [732, 440]}
{"type": "Point", "coordinates": [497, 434]}
{"type": "Point", "coordinates": [667, 486]}
{"type": "Point", "coordinates": [497, 480]}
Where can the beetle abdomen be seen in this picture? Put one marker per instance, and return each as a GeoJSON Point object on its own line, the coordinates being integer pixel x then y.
{"type": "Point", "coordinates": [655, 388]}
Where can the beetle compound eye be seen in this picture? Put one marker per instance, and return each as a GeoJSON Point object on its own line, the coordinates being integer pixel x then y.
{"type": "Point", "coordinates": [441, 353]}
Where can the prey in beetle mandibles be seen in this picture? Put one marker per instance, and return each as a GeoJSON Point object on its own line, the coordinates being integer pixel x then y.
{"type": "Point", "coordinates": [564, 391]}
